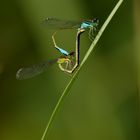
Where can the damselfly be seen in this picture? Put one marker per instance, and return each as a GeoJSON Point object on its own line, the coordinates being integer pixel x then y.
{"type": "Point", "coordinates": [67, 63]}
{"type": "Point", "coordinates": [64, 62]}
{"type": "Point", "coordinates": [58, 24]}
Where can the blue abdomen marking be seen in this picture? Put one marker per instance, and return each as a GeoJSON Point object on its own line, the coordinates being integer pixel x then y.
{"type": "Point", "coordinates": [85, 25]}
{"type": "Point", "coordinates": [62, 51]}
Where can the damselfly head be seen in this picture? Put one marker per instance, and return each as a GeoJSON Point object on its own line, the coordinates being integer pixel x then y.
{"type": "Point", "coordinates": [95, 22]}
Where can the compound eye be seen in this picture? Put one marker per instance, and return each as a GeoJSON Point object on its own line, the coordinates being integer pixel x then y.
{"type": "Point", "coordinates": [95, 20]}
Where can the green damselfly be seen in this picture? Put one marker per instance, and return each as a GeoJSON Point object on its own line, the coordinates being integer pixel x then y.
{"type": "Point", "coordinates": [64, 62]}
{"type": "Point", "coordinates": [58, 24]}
{"type": "Point", "coordinates": [67, 63]}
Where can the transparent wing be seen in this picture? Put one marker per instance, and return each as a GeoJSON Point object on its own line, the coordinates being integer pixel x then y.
{"type": "Point", "coordinates": [29, 72]}
{"type": "Point", "coordinates": [61, 24]}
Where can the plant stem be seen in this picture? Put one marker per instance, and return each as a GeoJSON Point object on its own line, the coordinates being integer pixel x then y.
{"type": "Point", "coordinates": [69, 85]}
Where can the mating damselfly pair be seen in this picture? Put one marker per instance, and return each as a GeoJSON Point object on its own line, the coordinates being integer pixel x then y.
{"type": "Point", "coordinates": [67, 62]}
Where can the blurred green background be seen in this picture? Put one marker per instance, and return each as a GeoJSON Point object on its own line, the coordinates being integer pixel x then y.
{"type": "Point", "coordinates": [103, 102]}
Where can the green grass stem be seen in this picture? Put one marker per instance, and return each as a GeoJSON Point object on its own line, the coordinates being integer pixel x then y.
{"type": "Point", "coordinates": [69, 85]}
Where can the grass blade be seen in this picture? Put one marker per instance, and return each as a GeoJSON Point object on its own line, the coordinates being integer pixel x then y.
{"type": "Point", "coordinates": [69, 85]}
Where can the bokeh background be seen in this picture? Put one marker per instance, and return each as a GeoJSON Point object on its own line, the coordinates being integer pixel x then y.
{"type": "Point", "coordinates": [103, 102]}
